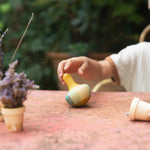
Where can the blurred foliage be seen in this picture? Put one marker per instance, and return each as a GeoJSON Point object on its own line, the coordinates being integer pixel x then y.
{"type": "Point", "coordinates": [78, 27]}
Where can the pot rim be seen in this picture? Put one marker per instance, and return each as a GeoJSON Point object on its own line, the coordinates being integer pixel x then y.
{"type": "Point", "coordinates": [12, 111]}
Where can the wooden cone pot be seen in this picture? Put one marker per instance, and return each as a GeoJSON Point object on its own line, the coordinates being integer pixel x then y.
{"type": "Point", "coordinates": [139, 110]}
{"type": "Point", "coordinates": [79, 94]}
{"type": "Point", "coordinates": [13, 118]}
{"type": "Point", "coordinates": [1, 117]}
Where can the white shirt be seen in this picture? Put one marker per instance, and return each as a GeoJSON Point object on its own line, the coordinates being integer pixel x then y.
{"type": "Point", "coordinates": [133, 67]}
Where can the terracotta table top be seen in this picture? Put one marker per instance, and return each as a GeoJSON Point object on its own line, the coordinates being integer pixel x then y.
{"type": "Point", "coordinates": [50, 123]}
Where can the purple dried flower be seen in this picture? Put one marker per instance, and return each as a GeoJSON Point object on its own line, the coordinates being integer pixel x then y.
{"type": "Point", "coordinates": [14, 87]}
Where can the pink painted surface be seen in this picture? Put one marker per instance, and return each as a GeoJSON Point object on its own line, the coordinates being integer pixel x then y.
{"type": "Point", "coordinates": [52, 124]}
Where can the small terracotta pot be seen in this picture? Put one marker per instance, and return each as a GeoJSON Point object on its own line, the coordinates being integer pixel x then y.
{"type": "Point", "coordinates": [13, 118]}
{"type": "Point", "coordinates": [139, 110]}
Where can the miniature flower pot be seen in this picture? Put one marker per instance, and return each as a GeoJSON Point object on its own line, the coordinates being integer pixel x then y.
{"type": "Point", "coordinates": [13, 118]}
{"type": "Point", "coordinates": [139, 110]}
{"type": "Point", "coordinates": [1, 117]}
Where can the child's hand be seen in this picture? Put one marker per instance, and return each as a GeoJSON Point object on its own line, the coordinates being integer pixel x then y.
{"type": "Point", "coordinates": [72, 65]}
{"type": "Point", "coordinates": [87, 68]}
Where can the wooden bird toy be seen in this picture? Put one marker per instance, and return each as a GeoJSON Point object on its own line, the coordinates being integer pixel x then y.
{"type": "Point", "coordinates": [78, 94]}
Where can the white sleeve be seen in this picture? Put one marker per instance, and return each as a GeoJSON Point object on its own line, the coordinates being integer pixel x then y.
{"type": "Point", "coordinates": [133, 66]}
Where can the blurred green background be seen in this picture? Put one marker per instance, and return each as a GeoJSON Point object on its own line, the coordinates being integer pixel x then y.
{"type": "Point", "coordinates": [78, 27]}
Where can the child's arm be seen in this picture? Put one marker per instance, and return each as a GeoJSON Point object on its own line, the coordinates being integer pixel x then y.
{"type": "Point", "coordinates": [87, 68]}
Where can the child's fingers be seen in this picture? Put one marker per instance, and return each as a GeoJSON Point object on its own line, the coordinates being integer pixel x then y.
{"type": "Point", "coordinates": [72, 66]}
{"type": "Point", "coordinates": [67, 66]}
{"type": "Point", "coordinates": [82, 68]}
{"type": "Point", "coordinates": [60, 71]}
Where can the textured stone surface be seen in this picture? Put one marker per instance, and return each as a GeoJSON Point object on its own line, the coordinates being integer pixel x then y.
{"type": "Point", "coordinates": [50, 123]}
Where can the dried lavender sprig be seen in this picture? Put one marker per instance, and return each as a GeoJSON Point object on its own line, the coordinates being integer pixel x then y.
{"type": "Point", "coordinates": [4, 33]}
{"type": "Point", "coordinates": [2, 55]}
{"type": "Point", "coordinates": [14, 87]}
{"type": "Point", "coordinates": [22, 38]}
